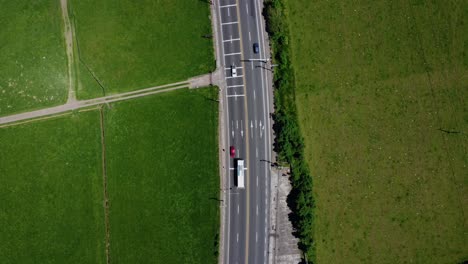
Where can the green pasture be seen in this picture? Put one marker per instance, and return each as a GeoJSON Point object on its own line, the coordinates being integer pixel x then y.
{"type": "Point", "coordinates": [381, 96]}
{"type": "Point", "coordinates": [126, 46]}
{"type": "Point", "coordinates": [51, 208]}
{"type": "Point", "coordinates": [33, 68]}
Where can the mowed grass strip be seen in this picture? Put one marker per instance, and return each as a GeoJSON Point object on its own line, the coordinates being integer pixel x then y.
{"type": "Point", "coordinates": [51, 208]}
{"type": "Point", "coordinates": [163, 180]}
{"type": "Point", "coordinates": [33, 68]}
{"type": "Point", "coordinates": [130, 45]}
{"type": "Point", "coordinates": [375, 83]}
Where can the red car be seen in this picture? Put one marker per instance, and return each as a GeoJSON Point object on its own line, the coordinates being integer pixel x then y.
{"type": "Point", "coordinates": [232, 151]}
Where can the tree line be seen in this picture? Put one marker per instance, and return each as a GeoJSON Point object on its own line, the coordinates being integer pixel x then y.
{"type": "Point", "coordinates": [289, 143]}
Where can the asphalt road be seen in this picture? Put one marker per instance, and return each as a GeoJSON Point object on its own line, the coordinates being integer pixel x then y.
{"type": "Point", "coordinates": [248, 129]}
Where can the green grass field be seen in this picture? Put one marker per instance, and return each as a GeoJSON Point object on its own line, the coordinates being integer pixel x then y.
{"type": "Point", "coordinates": [51, 208]}
{"type": "Point", "coordinates": [33, 69]}
{"type": "Point", "coordinates": [130, 46]}
{"type": "Point", "coordinates": [377, 83]}
{"type": "Point", "coordinates": [163, 178]}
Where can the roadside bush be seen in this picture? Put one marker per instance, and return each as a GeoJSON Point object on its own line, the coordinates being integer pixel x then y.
{"type": "Point", "coordinates": [289, 142]}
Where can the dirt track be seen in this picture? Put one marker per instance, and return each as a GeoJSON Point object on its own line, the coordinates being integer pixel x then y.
{"type": "Point", "coordinates": [69, 47]}
{"type": "Point", "coordinates": [198, 81]}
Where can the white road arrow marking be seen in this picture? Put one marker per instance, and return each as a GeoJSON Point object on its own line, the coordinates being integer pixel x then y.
{"type": "Point", "coordinates": [242, 130]}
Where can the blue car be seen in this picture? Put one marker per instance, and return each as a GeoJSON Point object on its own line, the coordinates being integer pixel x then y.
{"type": "Point", "coordinates": [256, 49]}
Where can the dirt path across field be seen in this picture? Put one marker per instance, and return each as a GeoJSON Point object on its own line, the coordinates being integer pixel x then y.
{"type": "Point", "coordinates": [199, 81]}
{"type": "Point", "coordinates": [69, 48]}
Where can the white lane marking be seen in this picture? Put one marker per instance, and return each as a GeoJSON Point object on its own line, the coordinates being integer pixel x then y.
{"type": "Point", "coordinates": [231, 40]}
{"type": "Point", "coordinates": [238, 76]}
{"type": "Point", "coordinates": [231, 168]}
{"type": "Point", "coordinates": [232, 133]}
{"type": "Point", "coordinates": [229, 68]}
{"type": "Point", "coordinates": [227, 6]}
{"type": "Point", "coordinates": [257, 181]}
{"type": "Point", "coordinates": [256, 151]}
{"type": "Point", "coordinates": [251, 65]}
{"type": "Point", "coordinates": [229, 23]}
{"type": "Point", "coordinates": [237, 124]}
{"type": "Point", "coordinates": [247, 7]}
{"type": "Point", "coordinates": [256, 237]}
{"type": "Point", "coordinates": [262, 128]}
{"type": "Point", "coordinates": [233, 86]}
{"type": "Point", "coordinates": [237, 209]}
{"type": "Point", "coordinates": [255, 123]}
{"type": "Point", "coordinates": [266, 109]}
{"type": "Point", "coordinates": [229, 13]}
{"type": "Point", "coordinates": [254, 95]}
{"type": "Point", "coordinates": [250, 38]}
{"type": "Point", "coordinates": [237, 237]}
{"type": "Point", "coordinates": [251, 124]}
{"type": "Point", "coordinates": [234, 53]}
{"type": "Point", "coordinates": [257, 210]}
{"type": "Point", "coordinates": [236, 95]}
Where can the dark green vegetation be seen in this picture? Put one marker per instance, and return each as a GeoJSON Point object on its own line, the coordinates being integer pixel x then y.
{"type": "Point", "coordinates": [129, 46]}
{"type": "Point", "coordinates": [381, 92]}
{"type": "Point", "coordinates": [288, 142]}
{"type": "Point", "coordinates": [51, 191]}
{"type": "Point", "coordinates": [163, 178]}
{"type": "Point", "coordinates": [32, 54]}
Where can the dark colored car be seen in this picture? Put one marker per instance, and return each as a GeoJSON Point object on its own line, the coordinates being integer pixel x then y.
{"type": "Point", "coordinates": [232, 151]}
{"type": "Point", "coordinates": [256, 49]}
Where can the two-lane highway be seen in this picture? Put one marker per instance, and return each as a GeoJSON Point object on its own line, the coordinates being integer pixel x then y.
{"type": "Point", "coordinates": [248, 129]}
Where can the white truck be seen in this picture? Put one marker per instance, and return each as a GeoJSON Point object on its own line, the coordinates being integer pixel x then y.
{"type": "Point", "coordinates": [240, 174]}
